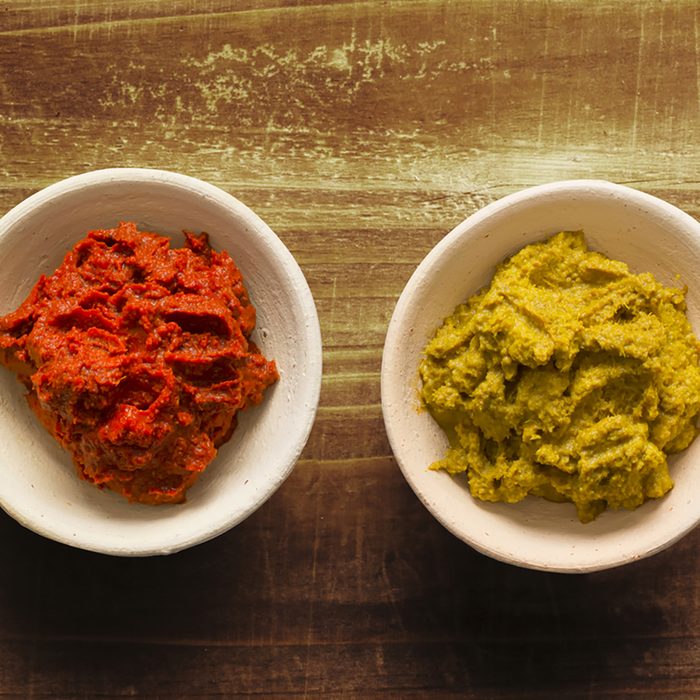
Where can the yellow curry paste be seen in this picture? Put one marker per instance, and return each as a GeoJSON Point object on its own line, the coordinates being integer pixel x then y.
{"type": "Point", "coordinates": [568, 377]}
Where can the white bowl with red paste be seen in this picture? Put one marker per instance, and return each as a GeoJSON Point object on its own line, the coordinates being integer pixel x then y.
{"type": "Point", "coordinates": [39, 484]}
{"type": "Point", "coordinates": [648, 234]}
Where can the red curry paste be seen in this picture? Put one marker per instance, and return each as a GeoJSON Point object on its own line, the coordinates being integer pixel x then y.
{"type": "Point", "coordinates": [137, 358]}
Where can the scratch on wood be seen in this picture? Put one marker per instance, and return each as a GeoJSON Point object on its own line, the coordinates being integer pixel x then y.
{"type": "Point", "coordinates": [312, 593]}
{"type": "Point", "coordinates": [635, 112]}
{"type": "Point", "coordinates": [334, 297]}
{"type": "Point", "coordinates": [697, 56]}
{"type": "Point", "coordinates": [540, 127]}
{"type": "Point", "coordinates": [204, 17]}
{"type": "Point", "coordinates": [391, 596]}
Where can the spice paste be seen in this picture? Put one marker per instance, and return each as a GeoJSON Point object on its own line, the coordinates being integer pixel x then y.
{"type": "Point", "coordinates": [137, 358]}
{"type": "Point", "coordinates": [568, 377]}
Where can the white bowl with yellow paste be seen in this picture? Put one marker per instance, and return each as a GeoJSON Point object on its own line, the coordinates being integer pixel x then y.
{"type": "Point", "coordinates": [646, 233]}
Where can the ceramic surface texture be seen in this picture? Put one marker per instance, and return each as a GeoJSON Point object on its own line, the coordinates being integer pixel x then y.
{"type": "Point", "coordinates": [38, 483]}
{"type": "Point", "coordinates": [643, 231]}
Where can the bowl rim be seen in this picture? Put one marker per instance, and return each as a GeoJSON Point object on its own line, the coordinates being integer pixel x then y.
{"type": "Point", "coordinates": [313, 369]}
{"type": "Point", "coordinates": [598, 187]}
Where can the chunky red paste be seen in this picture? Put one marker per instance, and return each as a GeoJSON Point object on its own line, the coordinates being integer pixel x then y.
{"type": "Point", "coordinates": [138, 357]}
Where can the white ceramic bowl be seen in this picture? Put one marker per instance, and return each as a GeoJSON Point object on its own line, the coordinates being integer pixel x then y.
{"type": "Point", "coordinates": [643, 231]}
{"type": "Point", "coordinates": [38, 482]}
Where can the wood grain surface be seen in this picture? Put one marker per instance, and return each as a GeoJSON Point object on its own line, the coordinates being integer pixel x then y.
{"type": "Point", "coordinates": [362, 132]}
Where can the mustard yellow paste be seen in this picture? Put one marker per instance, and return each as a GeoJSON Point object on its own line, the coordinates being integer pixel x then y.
{"type": "Point", "coordinates": [568, 377]}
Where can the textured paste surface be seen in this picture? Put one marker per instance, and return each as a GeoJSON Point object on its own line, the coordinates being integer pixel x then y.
{"type": "Point", "coordinates": [137, 358]}
{"type": "Point", "coordinates": [568, 377]}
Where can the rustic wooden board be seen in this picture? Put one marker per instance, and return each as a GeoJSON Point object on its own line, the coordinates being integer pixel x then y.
{"type": "Point", "coordinates": [361, 132]}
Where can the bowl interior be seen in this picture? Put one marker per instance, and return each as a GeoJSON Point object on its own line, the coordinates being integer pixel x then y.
{"type": "Point", "coordinates": [39, 485]}
{"type": "Point", "coordinates": [649, 235]}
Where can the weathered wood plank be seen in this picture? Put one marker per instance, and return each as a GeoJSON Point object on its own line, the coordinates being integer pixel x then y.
{"type": "Point", "coordinates": [367, 596]}
{"type": "Point", "coordinates": [361, 132]}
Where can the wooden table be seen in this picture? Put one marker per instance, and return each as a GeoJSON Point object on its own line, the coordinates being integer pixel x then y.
{"type": "Point", "coordinates": [361, 132]}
